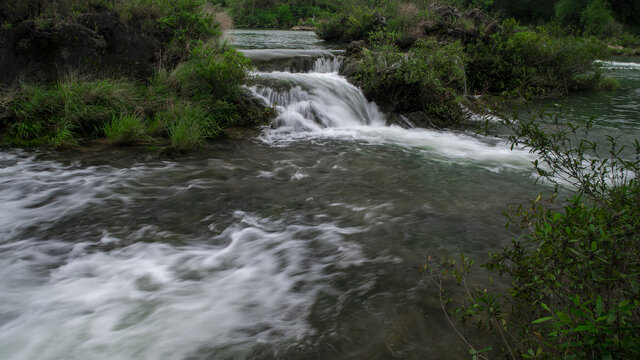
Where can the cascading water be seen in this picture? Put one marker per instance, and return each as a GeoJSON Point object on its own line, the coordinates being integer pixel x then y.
{"type": "Point", "coordinates": [313, 100]}
{"type": "Point", "coordinates": [303, 243]}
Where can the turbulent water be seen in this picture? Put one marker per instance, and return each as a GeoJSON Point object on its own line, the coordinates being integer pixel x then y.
{"type": "Point", "coordinates": [303, 242]}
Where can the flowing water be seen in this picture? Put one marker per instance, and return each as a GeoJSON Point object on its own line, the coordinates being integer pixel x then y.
{"type": "Point", "coordinates": [301, 243]}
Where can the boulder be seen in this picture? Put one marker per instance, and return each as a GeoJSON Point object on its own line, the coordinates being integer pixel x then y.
{"type": "Point", "coordinates": [96, 43]}
{"type": "Point", "coordinates": [28, 53]}
{"type": "Point", "coordinates": [355, 47]}
{"type": "Point", "coordinates": [129, 50]}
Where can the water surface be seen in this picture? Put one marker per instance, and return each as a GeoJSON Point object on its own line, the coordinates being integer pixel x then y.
{"type": "Point", "coordinates": [301, 243]}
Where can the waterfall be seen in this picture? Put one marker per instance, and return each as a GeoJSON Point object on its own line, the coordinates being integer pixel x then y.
{"type": "Point", "coordinates": [308, 92]}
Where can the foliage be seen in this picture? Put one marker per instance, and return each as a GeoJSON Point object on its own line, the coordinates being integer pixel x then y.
{"type": "Point", "coordinates": [427, 79]}
{"type": "Point", "coordinates": [125, 129]}
{"type": "Point", "coordinates": [575, 272]}
{"type": "Point", "coordinates": [597, 20]}
{"type": "Point", "coordinates": [195, 101]}
{"type": "Point", "coordinates": [70, 108]}
{"type": "Point", "coordinates": [531, 63]}
{"type": "Point", "coordinates": [278, 13]}
{"type": "Point", "coordinates": [213, 72]}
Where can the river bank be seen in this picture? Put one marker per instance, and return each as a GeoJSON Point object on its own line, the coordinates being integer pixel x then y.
{"type": "Point", "coordinates": [154, 74]}
{"type": "Point", "coordinates": [304, 241]}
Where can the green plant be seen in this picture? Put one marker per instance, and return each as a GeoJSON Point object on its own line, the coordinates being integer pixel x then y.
{"type": "Point", "coordinates": [595, 19]}
{"type": "Point", "coordinates": [530, 63]}
{"type": "Point", "coordinates": [575, 271]}
{"type": "Point", "coordinates": [125, 129]}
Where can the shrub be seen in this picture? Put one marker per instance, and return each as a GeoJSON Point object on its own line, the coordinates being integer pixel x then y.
{"type": "Point", "coordinates": [596, 18]}
{"type": "Point", "coordinates": [575, 272]}
{"type": "Point", "coordinates": [531, 64]}
{"type": "Point", "coordinates": [428, 79]}
{"type": "Point", "coordinates": [212, 72]}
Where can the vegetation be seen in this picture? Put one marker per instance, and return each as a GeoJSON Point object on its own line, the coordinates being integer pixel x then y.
{"type": "Point", "coordinates": [278, 13]}
{"type": "Point", "coordinates": [532, 63]}
{"type": "Point", "coordinates": [204, 94]}
{"type": "Point", "coordinates": [575, 272]}
{"type": "Point", "coordinates": [429, 61]}
{"type": "Point", "coordinates": [430, 79]}
{"type": "Point", "coordinates": [187, 103]}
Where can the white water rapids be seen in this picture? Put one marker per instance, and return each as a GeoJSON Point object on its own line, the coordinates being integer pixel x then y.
{"type": "Point", "coordinates": [301, 243]}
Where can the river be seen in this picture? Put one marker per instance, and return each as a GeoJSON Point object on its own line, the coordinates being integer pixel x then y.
{"type": "Point", "coordinates": [301, 243]}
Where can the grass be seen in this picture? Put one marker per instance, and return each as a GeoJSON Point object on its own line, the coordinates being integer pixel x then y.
{"type": "Point", "coordinates": [125, 129]}
{"type": "Point", "coordinates": [193, 102]}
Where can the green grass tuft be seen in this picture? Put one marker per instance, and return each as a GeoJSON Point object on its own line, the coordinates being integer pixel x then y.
{"type": "Point", "coordinates": [125, 129]}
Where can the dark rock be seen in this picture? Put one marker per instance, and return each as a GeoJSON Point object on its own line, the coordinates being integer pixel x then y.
{"type": "Point", "coordinates": [31, 54]}
{"type": "Point", "coordinates": [444, 11]}
{"type": "Point", "coordinates": [355, 47]}
{"type": "Point", "coordinates": [129, 50]}
{"type": "Point", "coordinates": [493, 28]}
{"type": "Point", "coordinates": [97, 43]}
{"type": "Point", "coordinates": [477, 16]}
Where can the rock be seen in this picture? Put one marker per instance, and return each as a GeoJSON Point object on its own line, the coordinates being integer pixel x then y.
{"type": "Point", "coordinates": [444, 11]}
{"type": "Point", "coordinates": [129, 50]}
{"type": "Point", "coordinates": [355, 47]}
{"type": "Point", "coordinates": [31, 54]}
{"type": "Point", "coordinates": [98, 42]}
{"type": "Point", "coordinates": [304, 28]}
{"type": "Point", "coordinates": [477, 16]}
{"type": "Point", "coordinates": [493, 28]}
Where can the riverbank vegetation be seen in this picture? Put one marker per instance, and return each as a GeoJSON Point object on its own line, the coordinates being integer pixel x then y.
{"type": "Point", "coordinates": [478, 55]}
{"type": "Point", "coordinates": [575, 270]}
{"type": "Point", "coordinates": [195, 91]}
{"type": "Point", "coordinates": [283, 14]}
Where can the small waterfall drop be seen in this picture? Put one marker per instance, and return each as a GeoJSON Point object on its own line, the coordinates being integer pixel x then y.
{"type": "Point", "coordinates": [311, 100]}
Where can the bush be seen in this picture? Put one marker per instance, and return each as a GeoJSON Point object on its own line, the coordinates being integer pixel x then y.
{"type": "Point", "coordinates": [575, 272]}
{"type": "Point", "coordinates": [596, 18]}
{"type": "Point", "coordinates": [212, 72]}
{"type": "Point", "coordinates": [428, 79]}
{"type": "Point", "coordinates": [528, 63]}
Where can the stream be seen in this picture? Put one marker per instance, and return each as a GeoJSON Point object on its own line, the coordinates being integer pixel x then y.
{"type": "Point", "coordinates": [303, 242]}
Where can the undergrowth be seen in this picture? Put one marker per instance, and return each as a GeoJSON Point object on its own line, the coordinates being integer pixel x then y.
{"type": "Point", "coordinates": [575, 270]}
{"type": "Point", "coordinates": [193, 102]}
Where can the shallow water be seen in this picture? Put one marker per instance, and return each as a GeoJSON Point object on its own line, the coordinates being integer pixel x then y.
{"type": "Point", "coordinates": [301, 243]}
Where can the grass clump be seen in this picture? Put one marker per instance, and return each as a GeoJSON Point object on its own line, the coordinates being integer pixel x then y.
{"type": "Point", "coordinates": [68, 110]}
{"type": "Point", "coordinates": [125, 129]}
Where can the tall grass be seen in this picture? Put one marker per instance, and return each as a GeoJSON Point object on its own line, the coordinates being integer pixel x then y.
{"type": "Point", "coordinates": [193, 102]}
{"type": "Point", "coordinates": [125, 129]}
